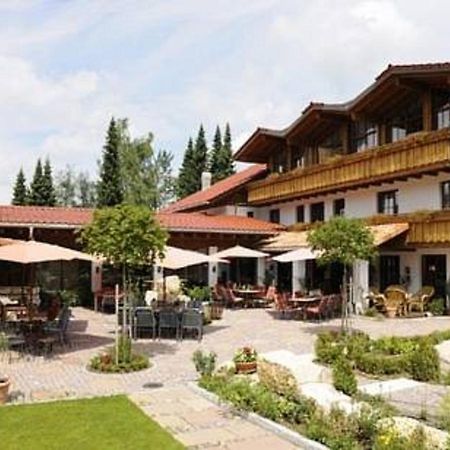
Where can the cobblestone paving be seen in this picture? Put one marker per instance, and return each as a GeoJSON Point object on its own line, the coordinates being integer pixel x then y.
{"type": "Point", "coordinates": [200, 424]}
{"type": "Point", "coordinates": [65, 373]}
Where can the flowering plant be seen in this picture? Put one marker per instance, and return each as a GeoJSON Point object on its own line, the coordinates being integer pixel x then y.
{"type": "Point", "coordinates": [245, 355]}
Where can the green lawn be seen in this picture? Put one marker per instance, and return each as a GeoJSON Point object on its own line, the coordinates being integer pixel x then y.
{"type": "Point", "coordinates": [92, 424]}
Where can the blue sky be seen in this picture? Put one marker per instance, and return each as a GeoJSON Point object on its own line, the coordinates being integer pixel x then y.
{"type": "Point", "coordinates": [67, 66]}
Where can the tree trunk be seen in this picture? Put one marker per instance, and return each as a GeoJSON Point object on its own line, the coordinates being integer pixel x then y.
{"type": "Point", "coordinates": [344, 313]}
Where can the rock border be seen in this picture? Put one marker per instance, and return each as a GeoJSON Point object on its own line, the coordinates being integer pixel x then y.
{"type": "Point", "coordinates": [280, 430]}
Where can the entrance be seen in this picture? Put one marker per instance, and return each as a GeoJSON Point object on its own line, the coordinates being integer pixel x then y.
{"type": "Point", "coordinates": [434, 273]}
{"type": "Point", "coordinates": [389, 270]}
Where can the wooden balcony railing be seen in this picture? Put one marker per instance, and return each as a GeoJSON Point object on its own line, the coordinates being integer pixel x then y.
{"type": "Point", "coordinates": [432, 231]}
{"type": "Point", "coordinates": [417, 154]}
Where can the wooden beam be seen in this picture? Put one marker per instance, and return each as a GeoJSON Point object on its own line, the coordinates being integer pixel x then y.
{"type": "Point", "coordinates": [427, 110]}
{"type": "Point", "coordinates": [409, 84]}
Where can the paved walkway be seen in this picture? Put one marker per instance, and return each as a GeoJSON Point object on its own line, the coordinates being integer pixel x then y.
{"type": "Point", "coordinates": [200, 424]}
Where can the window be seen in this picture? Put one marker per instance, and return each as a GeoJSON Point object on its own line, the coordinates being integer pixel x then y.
{"type": "Point", "coordinates": [274, 215]}
{"type": "Point", "coordinates": [445, 195]}
{"type": "Point", "coordinates": [317, 212]}
{"type": "Point", "coordinates": [406, 119]}
{"type": "Point", "coordinates": [279, 161]}
{"type": "Point", "coordinates": [339, 207]}
{"type": "Point", "coordinates": [364, 135]}
{"type": "Point", "coordinates": [387, 202]}
{"type": "Point", "coordinates": [300, 213]}
{"type": "Point", "coordinates": [250, 214]}
{"type": "Point", "coordinates": [441, 110]}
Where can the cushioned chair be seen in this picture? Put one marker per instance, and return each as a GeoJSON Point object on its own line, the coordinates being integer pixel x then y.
{"type": "Point", "coordinates": [420, 299]}
{"type": "Point", "coordinates": [168, 320]}
{"type": "Point", "coordinates": [144, 321]}
{"type": "Point", "coordinates": [192, 319]}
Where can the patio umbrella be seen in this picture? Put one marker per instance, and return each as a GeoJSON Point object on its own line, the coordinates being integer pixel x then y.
{"type": "Point", "coordinates": [301, 254]}
{"type": "Point", "coordinates": [240, 252]}
{"type": "Point", "coordinates": [28, 252]}
{"type": "Point", "coordinates": [178, 258]}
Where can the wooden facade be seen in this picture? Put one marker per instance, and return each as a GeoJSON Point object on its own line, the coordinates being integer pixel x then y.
{"type": "Point", "coordinates": [418, 154]}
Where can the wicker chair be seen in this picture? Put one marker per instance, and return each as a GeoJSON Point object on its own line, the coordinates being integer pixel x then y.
{"type": "Point", "coordinates": [377, 299]}
{"type": "Point", "coordinates": [396, 301]}
{"type": "Point", "coordinates": [420, 299]}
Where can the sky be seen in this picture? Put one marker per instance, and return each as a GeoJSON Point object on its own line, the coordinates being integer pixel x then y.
{"type": "Point", "coordinates": [68, 66]}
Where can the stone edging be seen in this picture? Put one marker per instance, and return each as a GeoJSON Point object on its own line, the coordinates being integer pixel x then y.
{"type": "Point", "coordinates": [269, 425]}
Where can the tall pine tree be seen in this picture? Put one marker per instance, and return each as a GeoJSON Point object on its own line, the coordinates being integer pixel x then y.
{"type": "Point", "coordinates": [187, 177]}
{"type": "Point", "coordinates": [200, 158]}
{"type": "Point", "coordinates": [109, 188]}
{"type": "Point", "coordinates": [38, 191]}
{"type": "Point", "coordinates": [226, 156]}
{"type": "Point", "coordinates": [50, 196]}
{"type": "Point", "coordinates": [216, 150]}
{"type": "Point", "coordinates": [20, 192]}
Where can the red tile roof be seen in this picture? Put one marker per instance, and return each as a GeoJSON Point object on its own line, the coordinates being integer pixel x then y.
{"type": "Point", "coordinates": [217, 190]}
{"type": "Point", "coordinates": [34, 215]}
{"type": "Point", "coordinates": [211, 223]}
{"type": "Point", "coordinates": [76, 217]}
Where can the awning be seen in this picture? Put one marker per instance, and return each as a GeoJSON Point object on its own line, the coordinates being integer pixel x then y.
{"type": "Point", "coordinates": [240, 252]}
{"type": "Point", "coordinates": [292, 240]}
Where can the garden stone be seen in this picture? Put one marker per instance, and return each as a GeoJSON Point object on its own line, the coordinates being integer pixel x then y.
{"type": "Point", "coordinates": [389, 386]}
{"type": "Point", "coordinates": [302, 367]}
{"type": "Point", "coordinates": [443, 350]}
{"type": "Point", "coordinates": [328, 397]}
{"type": "Point", "coordinates": [405, 426]}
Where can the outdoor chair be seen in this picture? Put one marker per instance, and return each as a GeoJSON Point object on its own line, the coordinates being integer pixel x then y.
{"type": "Point", "coordinates": [283, 307]}
{"type": "Point", "coordinates": [168, 320]}
{"type": "Point", "coordinates": [420, 299]}
{"type": "Point", "coordinates": [144, 320]}
{"type": "Point", "coordinates": [192, 320]}
{"type": "Point", "coordinates": [60, 327]}
{"type": "Point", "coordinates": [232, 300]}
{"type": "Point", "coordinates": [396, 300]}
{"type": "Point", "coordinates": [376, 299]}
{"type": "Point", "coordinates": [321, 310]}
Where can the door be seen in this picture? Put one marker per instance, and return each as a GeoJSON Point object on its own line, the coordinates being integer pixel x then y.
{"type": "Point", "coordinates": [389, 270]}
{"type": "Point", "coordinates": [434, 273]}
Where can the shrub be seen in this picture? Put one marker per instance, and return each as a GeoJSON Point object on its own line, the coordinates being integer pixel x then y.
{"type": "Point", "coordinates": [437, 307]}
{"type": "Point", "coordinates": [277, 379]}
{"type": "Point", "coordinates": [205, 363]}
{"type": "Point", "coordinates": [328, 347]}
{"type": "Point", "coordinates": [444, 413]}
{"type": "Point", "coordinates": [376, 363]}
{"type": "Point", "coordinates": [127, 361]}
{"type": "Point", "coordinates": [424, 363]}
{"type": "Point", "coordinates": [343, 377]}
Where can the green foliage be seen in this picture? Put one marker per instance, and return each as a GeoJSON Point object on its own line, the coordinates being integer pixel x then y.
{"type": "Point", "coordinates": [38, 190]}
{"type": "Point", "coordinates": [344, 379]}
{"type": "Point", "coordinates": [342, 240]}
{"type": "Point", "coordinates": [200, 293]}
{"type": "Point", "coordinates": [245, 355]}
{"type": "Point", "coordinates": [68, 297]}
{"type": "Point", "coordinates": [437, 307]}
{"type": "Point", "coordinates": [205, 363]}
{"type": "Point", "coordinates": [146, 174]}
{"type": "Point", "coordinates": [125, 235]}
{"type": "Point", "coordinates": [74, 189]}
{"type": "Point", "coordinates": [125, 361]}
{"type": "Point", "coordinates": [109, 188]}
{"type": "Point", "coordinates": [415, 355]}
{"type": "Point", "coordinates": [200, 156]}
{"type": "Point", "coordinates": [47, 178]}
{"type": "Point", "coordinates": [20, 191]}
{"type": "Point", "coordinates": [187, 177]}
{"type": "Point", "coordinates": [277, 378]}
{"type": "Point", "coordinates": [4, 343]}
{"type": "Point", "coordinates": [222, 165]}
{"type": "Point", "coordinates": [444, 412]}
{"type": "Point", "coordinates": [424, 362]}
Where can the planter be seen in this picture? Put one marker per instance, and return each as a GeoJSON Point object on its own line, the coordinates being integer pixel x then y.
{"type": "Point", "coordinates": [216, 311]}
{"type": "Point", "coordinates": [207, 312]}
{"type": "Point", "coordinates": [4, 389]}
{"type": "Point", "coordinates": [391, 312]}
{"type": "Point", "coordinates": [246, 367]}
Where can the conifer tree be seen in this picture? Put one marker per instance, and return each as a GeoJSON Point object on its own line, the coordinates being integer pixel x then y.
{"type": "Point", "coordinates": [38, 190]}
{"type": "Point", "coordinates": [187, 177]}
{"type": "Point", "coordinates": [109, 188]}
{"type": "Point", "coordinates": [20, 192]}
{"type": "Point", "coordinates": [226, 159]}
{"type": "Point", "coordinates": [49, 195]}
{"type": "Point", "coordinates": [216, 150]}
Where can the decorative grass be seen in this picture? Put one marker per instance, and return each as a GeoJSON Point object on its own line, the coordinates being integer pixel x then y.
{"type": "Point", "coordinates": [112, 423]}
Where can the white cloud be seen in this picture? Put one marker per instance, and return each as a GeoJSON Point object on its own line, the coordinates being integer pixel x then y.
{"type": "Point", "coordinates": [66, 67]}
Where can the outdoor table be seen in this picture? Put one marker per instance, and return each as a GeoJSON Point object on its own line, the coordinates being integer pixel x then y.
{"type": "Point", "coordinates": [248, 295]}
{"type": "Point", "coordinates": [303, 302]}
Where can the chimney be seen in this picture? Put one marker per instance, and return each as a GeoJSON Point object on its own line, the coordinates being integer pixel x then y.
{"type": "Point", "coordinates": [206, 180]}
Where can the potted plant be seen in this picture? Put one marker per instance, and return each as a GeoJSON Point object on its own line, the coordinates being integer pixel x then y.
{"type": "Point", "coordinates": [4, 380]}
{"type": "Point", "coordinates": [245, 360]}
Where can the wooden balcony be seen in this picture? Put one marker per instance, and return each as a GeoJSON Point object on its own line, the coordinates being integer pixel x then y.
{"type": "Point", "coordinates": [433, 230]}
{"type": "Point", "coordinates": [418, 154]}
